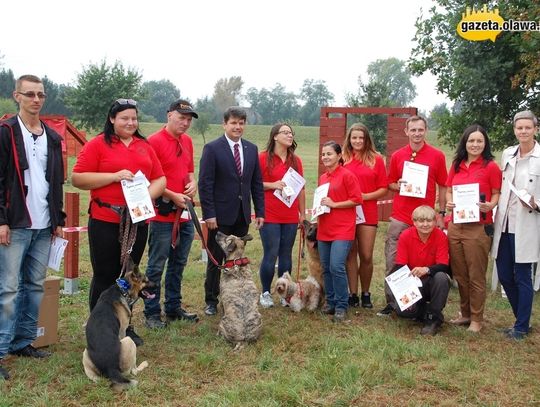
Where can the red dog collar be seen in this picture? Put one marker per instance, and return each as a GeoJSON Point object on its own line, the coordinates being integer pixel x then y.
{"type": "Point", "coordinates": [244, 261]}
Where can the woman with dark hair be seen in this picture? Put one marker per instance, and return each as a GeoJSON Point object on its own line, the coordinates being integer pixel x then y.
{"type": "Point", "coordinates": [110, 157]}
{"type": "Point", "coordinates": [281, 221]}
{"type": "Point", "coordinates": [336, 229]}
{"type": "Point", "coordinates": [470, 242]}
{"type": "Point", "coordinates": [367, 164]}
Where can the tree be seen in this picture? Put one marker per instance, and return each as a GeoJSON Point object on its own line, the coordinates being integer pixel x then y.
{"type": "Point", "coordinates": [206, 105]}
{"type": "Point", "coordinates": [437, 114]}
{"type": "Point", "coordinates": [202, 124]}
{"type": "Point", "coordinates": [227, 93]}
{"type": "Point", "coordinates": [490, 81]}
{"type": "Point", "coordinates": [7, 106]}
{"type": "Point", "coordinates": [315, 94]}
{"type": "Point", "coordinates": [56, 94]}
{"type": "Point", "coordinates": [274, 105]}
{"type": "Point", "coordinates": [98, 86]}
{"type": "Point", "coordinates": [157, 96]}
{"type": "Point", "coordinates": [7, 84]}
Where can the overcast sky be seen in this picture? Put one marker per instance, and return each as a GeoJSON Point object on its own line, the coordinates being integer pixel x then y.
{"type": "Point", "coordinates": [195, 43]}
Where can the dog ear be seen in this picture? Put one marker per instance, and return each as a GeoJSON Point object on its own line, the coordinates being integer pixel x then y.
{"type": "Point", "coordinates": [247, 238]}
{"type": "Point", "coordinates": [231, 246]}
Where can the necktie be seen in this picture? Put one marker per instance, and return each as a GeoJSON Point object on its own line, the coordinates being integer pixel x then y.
{"type": "Point", "coordinates": [237, 159]}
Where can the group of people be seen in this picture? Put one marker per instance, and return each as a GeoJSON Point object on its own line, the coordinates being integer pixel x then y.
{"type": "Point", "coordinates": [233, 176]}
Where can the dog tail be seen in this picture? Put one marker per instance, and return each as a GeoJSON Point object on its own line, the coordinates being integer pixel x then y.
{"type": "Point", "coordinates": [118, 381]}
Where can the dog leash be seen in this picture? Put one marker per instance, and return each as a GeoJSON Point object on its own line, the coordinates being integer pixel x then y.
{"type": "Point", "coordinates": [300, 250]}
{"type": "Point", "coordinates": [195, 220]}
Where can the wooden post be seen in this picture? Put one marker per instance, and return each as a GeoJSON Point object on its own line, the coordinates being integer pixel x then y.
{"type": "Point", "coordinates": [71, 259]}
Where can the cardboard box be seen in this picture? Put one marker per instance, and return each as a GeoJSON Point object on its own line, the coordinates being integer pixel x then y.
{"type": "Point", "coordinates": [47, 330]}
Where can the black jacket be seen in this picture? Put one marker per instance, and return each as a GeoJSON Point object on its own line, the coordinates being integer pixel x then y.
{"type": "Point", "coordinates": [13, 209]}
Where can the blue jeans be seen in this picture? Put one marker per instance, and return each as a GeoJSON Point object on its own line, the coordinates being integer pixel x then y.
{"type": "Point", "coordinates": [161, 251]}
{"type": "Point", "coordinates": [23, 267]}
{"type": "Point", "coordinates": [516, 280]}
{"type": "Point", "coordinates": [278, 241]}
{"type": "Point", "coordinates": [333, 257]}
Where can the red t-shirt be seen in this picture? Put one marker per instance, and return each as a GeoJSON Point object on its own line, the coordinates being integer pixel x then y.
{"type": "Point", "coordinates": [98, 156]}
{"type": "Point", "coordinates": [276, 211]}
{"type": "Point", "coordinates": [403, 206]}
{"type": "Point", "coordinates": [339, 223]}
{"type": "Point", "coordinates": [176, 157]}
{"type": "Point", "coordinates": [370, 179]}
{"type": "Point", "coordinates": [488, 177]}
{"type": "Point", "coordinates": [415, 253]}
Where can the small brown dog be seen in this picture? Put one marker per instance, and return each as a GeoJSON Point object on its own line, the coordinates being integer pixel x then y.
{"type": "Point", "coordinates": [314, 261]}
{"type": "Point", "coordinates": [241, 321]}
{"type": "Point", "coordinates": [302, 294]}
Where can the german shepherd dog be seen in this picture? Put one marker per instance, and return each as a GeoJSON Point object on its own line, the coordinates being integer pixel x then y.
{"type": "Point", "coordinates": [241, 321]}
{"type": "Point", "coordinates": [314, 260]}
{"type": "Point", "coordinates": [109, 352]}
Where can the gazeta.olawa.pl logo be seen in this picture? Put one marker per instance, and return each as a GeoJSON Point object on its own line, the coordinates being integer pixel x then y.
{"type": "Point", "coordinates": [481, 25]}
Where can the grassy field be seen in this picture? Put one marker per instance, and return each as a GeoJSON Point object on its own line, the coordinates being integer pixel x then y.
{"type": "Point", "coordinates": [301, 359]}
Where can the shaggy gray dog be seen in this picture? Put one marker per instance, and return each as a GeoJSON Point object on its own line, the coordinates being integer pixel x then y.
{"type": "Point", "coordinates": [241, 321]}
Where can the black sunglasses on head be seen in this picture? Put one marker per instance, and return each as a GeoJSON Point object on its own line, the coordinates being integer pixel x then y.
{"type": "Point", "coordinates": [129, 102]}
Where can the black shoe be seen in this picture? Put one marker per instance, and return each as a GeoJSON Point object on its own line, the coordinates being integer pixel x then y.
{"type": "Point", "coordinates": [210, 310]}
{"type": "Point", "coordinates": [431, 328]}
{"type": "Point", "coordinates": [328, 310]}
{"type": "Point", "coordinates": [4, 373]}
{"type": "Point", "coordinates": [155, 322]}
{"type": "Point", "coordinates": [30, 352]}
{"type": "Point", "coordinates": [181, 314]}
{"type": "Point", "coordinates": [386, 311]}
{"type": "Point", "coordinates": [339, 316]}
{"type": "Point", "coordinates": [366, 300]}
{"type": "Point", "coordinates": [133, 335]}
{"type": "Point", "coordinates": [515, 335]}
{"type": "Point", "coordinates": [354, 301]}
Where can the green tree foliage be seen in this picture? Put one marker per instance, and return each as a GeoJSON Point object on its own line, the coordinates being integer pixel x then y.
{"type": "Point", "coordinates": [7, 106]}
{"type": "Point", "coordinates": [490, 80]}
{"type": "Point", "coordinates": [202, 124]}
{"type": "Point", "coordinates": [438, 113]}
{"type": "Point", "coordinates": [273, 105]}
{"type": "Point", "coordinates": [7, 83]}
{"type": "Point", "coordinates": [315, 95]}
{"type": "Point", "coordinates": [206, 105]}
{"type": "Point", "coordinates": [56, 94]}
{"type": "Point", "coordinates": [156, 98]}
{"type": "Point", "coordinates": [227, 93]}
{"type": "Point", "coordinates": [97, 87]}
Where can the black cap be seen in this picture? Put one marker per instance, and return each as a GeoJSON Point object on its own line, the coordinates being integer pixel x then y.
{"type": "Point", "coordinates": [183, 106]}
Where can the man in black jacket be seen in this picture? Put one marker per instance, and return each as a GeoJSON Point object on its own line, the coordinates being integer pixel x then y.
{"type": "Point", "coordinates": [31, 179]}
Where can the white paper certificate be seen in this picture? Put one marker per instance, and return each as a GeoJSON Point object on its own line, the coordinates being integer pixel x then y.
{"type": "Point", "coordinates": [404, 286]}
{"type": "Point", "coordinates": [416, 176]}
{"type": "Point", "coordinates": [320, 193]}
{"type": "Point", "coordinates": [466, 198]}
{"type": "Point", "coordinates": [522, 194]}
{"type": "Point", "coordinates": [56, 252]}
{"type": "Point", "coordinates": [360, 217]}
{"type": "Point", "coordinates": [294, 183]}
{"type": "Point", "coordinates": [138, 198]}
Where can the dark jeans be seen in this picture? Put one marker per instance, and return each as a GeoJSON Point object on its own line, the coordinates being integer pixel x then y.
{"type": "Point", "coordinates": [278, 241]}
{"type": "Point", "coordinates": [161, 251]}
{"type": "Point", "coordinates": [211, 283]}
{"type": "Point", "coordinates": [516, 280]}
{"type": "Point", "coordinates": [336, 285]}
{"type": "Point", "coordinates": [105, 254]}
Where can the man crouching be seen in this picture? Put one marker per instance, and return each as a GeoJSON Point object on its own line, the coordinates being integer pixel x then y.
{"type": "Point", "coordinates": [424, 249]}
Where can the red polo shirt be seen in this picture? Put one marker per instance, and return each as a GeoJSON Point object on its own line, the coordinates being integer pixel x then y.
{"type": "Point", "coordinates": [415, 253]}
{"type": "Point", "coordinates": [370, 179]}
{"type": "Point", "coordinates": [488, 177]}
{"type": "Point", "coordinates": [276, 211]}
{"type": "Point", "coordinates": [339, 223]}
{"type": "Point", "coordinates": [176, 157]}
{"type": "Point", "coordinates": [403, 206]}
{"type": "Point", "coordinates": [98, 156]}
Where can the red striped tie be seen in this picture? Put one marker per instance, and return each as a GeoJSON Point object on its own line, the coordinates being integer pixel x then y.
{"type": "Point", "coordinates": [237, 159]}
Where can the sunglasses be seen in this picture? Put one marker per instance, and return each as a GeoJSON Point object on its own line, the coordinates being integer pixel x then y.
{"type": "Point", "coordinates": [129, 102]}
{"type": "Point", "coordinates": [413, 156]}
{"type": "Point", "coordinates": [32, 95]}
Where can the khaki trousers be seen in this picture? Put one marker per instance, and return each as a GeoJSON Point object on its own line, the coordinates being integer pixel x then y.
{"type": "Point", "coordinates": [469, 249]}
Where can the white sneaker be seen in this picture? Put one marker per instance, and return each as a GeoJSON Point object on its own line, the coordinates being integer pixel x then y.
{"type": "Point", "coordinates": [266, 300]}
{"type": "Point", "coordinates": [283, 302]}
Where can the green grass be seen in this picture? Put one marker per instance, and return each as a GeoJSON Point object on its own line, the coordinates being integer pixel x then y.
{"type": "Point", "coordinates": [301, 359]}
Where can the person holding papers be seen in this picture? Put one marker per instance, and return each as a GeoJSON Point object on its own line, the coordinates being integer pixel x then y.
{"type": "Point", "coordinates": [424, 249]}
{"type": "Point", "coordinates": [367, 164]}
{"type": "Point", "coordinates": [336, 228]}
{"type": "Point", "coordinates": [516, 243]}
{"type": "Point", "coordinates": [279, 230]}
{"type": "Point", "coordinates": [418, 157]}
{"type": "Point", "coordinates": [474, 184]}
{"type": "Point", "coordinates": [115, 155]}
